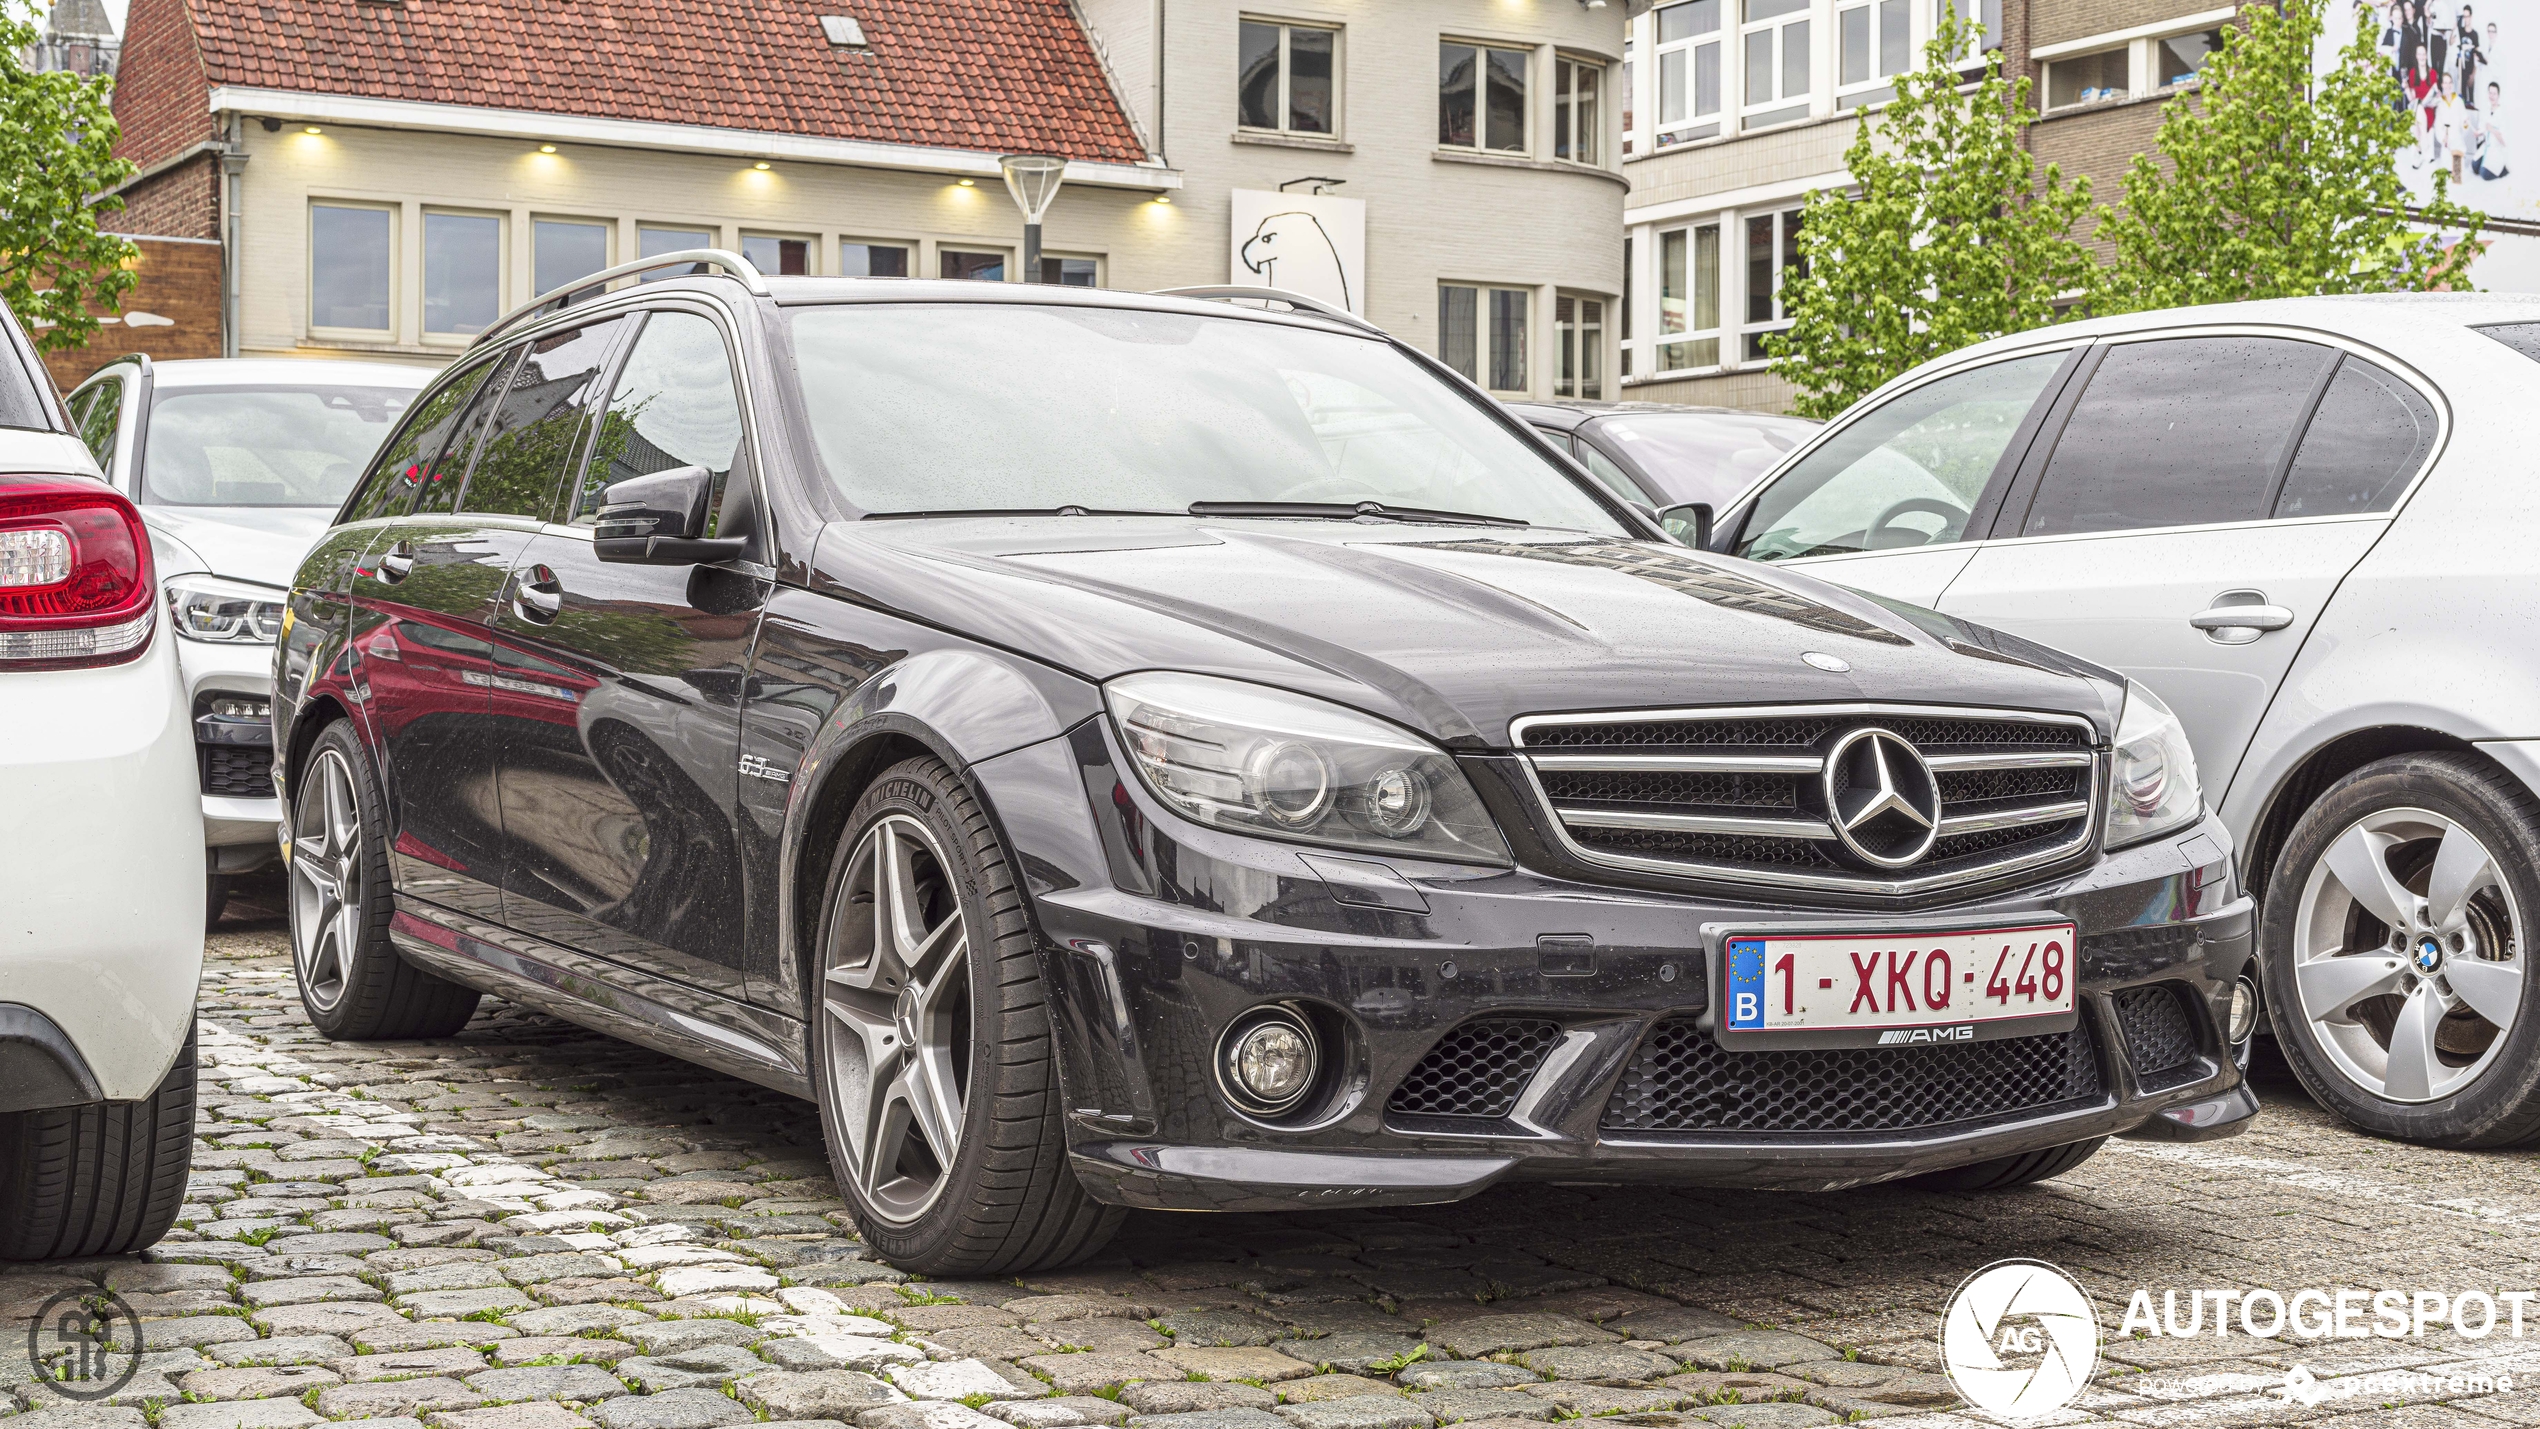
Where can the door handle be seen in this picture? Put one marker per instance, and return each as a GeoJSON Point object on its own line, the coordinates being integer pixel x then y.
{"type": "Point", "coordinates": [2234, 624]}
{"type": "Point", "coordinates": [397, 562]}
{"type": "Point", "coordinates": [537, 596]}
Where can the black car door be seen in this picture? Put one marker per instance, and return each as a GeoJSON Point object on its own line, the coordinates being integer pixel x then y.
{"type": "Point", "coordinates": [618, 824]}
{"type": "Point", "coordinates": [421, 601]}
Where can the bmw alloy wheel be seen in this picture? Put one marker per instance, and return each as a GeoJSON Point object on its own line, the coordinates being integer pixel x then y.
{"type": "Point", "coordinates": [2407, 955]}
{"type": "Point", "coordinates": [327, 906]}
{"type": "Point", "coordinates": [898, 987]}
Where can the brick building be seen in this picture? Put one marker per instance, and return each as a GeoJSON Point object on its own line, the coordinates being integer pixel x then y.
{"type": "Point", "coordinates": [385, 176]}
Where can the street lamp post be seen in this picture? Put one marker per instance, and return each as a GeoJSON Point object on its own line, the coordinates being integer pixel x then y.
{"type": "Point", "coordinates": [1033, 179]}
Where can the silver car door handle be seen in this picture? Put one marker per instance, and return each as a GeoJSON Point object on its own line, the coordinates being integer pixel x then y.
{"type": "Point", "coordinates": [2242, 617]}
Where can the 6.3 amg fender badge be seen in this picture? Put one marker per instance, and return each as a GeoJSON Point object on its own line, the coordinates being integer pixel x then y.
{"type": "Point", "coordinates": [755, 766]}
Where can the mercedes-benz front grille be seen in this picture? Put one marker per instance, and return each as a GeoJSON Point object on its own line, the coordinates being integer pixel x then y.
{"type": "Point", "coordinates": [1863, 798]}
{"type": "Point", "coordinates": [1681, 1081]}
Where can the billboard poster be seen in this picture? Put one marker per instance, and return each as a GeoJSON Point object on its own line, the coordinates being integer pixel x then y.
{"type": "Point", "coordinates": [1312, 244]}
{"type": "Point", "coordinates": [2460, 80]}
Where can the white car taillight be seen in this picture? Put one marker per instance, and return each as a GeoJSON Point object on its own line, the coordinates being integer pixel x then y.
{"type": "Point", "coordinates": [75, 586]}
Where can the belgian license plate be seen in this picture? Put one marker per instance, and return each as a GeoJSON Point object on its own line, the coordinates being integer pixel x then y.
{"type": "Point", "coordinates": [1879, 989]}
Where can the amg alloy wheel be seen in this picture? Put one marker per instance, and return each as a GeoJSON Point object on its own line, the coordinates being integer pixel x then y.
{"type": "Point", "coordinates": [931, 1042]}
{"type": "Point", "coordinates": [2396, 952]}
{"type": "Point", "coordinates": [354, 985]}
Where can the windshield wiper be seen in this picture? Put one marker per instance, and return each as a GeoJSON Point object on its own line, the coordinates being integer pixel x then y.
{"type": "Point", "coordinates": [1006, 511]}
{"type": "Point", "coordinates": [1348, 511]}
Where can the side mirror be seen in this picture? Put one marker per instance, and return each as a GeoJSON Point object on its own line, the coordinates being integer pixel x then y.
{"type": "Point", "coordinates": [660, 520]}
{"type": "Point", "coordinates": [1689, 523]}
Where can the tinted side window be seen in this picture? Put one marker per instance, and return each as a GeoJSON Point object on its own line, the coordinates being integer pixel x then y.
{"type": "Point", "coordinates": [1605, 469]}
{"type": "Point", "coordinates": [2180, 432]}
{"type": "Point", "coordinates": [388, 488]}
{"type": "Point", "coordinates": [532, 436]}
{"type": "Point", "coordinates": [2370, 435]}
{"type": "Point", "coordinates": [97, 422]}
{"type": "Point", "coordinates": [1907, 473]}
{"type": "Point", "coordinates": [674, 405]}
{"type": "Point", "coordinates": [441, 477]}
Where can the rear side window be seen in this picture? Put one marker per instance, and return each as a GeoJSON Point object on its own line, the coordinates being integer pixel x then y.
{"type": "Point", "coordinates": [388, 488]}
{"type": "Point", "coordinates": [537, 427]}
{"type": "Point", "coordinates": [26, 398]}
{"type": "Point", "coordinates": [674, 405]}
{"type": "Point", "coordinates": [2371, 433]}
{"type": "Point", "coordinates": [1604, 469]}
{"type": "Point", "coordinates": [442, 478]}
{"type": "Point", "coordinates": [2178, 432]}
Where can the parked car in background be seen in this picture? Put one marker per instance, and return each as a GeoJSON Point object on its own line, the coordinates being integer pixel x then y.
{"type": "Point", "coordinates": [101, 862]}
{"type": "Point", "coordinates": [1661, 455]}
{"type": "Point", "coordinates": [236, 466]}
{"type": "Point", "coordinates": [2310, 525]}
{"type": "Point", "coordinates": [1129, 750]}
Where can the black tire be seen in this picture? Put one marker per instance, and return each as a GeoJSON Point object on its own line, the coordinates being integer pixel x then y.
{"type": "Point", "coordinates": [1010, 1203]}
{"type": "Point", "coordinates": [102, 1179]}
{"type": "Point", "coordinates": [382, 997]}
{"type": "Point", "coordinates": [215, 898]}
{"type": "Point", "coordinates": [2501, 1106]}
{"type": "Point", "coordinates": [2004, 1172]}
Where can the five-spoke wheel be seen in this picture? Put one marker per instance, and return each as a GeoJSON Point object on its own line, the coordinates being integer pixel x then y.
{"type": "Point", "coordinates": [327, 905]}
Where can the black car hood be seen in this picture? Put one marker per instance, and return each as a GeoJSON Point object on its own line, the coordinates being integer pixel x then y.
{"type": "Point", "coordinates": [1452, 630]}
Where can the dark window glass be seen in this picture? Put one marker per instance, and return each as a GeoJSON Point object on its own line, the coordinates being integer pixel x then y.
{"type": "Point", "coordinates": [1759, 268]}
{"type": "Point", "coordinates": [1455, 94]}
{"type": "Point", "coordinates": [1683, 22]}
{"type": "Point", "coordinates": [2521, 337]}
{"type": "Point", "coordinates": [777, 255]}
{"type": "Point", "coordinates": [537, 428]}
{"type": "Point", "coordinates": [97, 423]}
{"type": "Point", "coordinates": [872, 260]}
{"type": "Point", "coordinates": [984, 267]}
{"type": "Point", "coordinates": [389, 487]}
{"type": "Point", "coordinates": [2371, 433]}
{"type": "Point", "coordinates": [561, 252]}
{"type": "Point", "coordinates": [1069, 272]}
{"type": "Point", "coordinates": [1459, 330]}
{"type": "Point", "coordinates": [440, 477]}
{"type": "Point", "coordinates": [1507, 71]}
{"type": "Point", "coordinates": [1508, 339]}
{"type": "Point", "coordinates": [349, 264]}
{"type": "Point", "coordinates": [1257, 76]}
{"type": "Point", "coordinates": [1310, 81]}
{"type": "Point", "coordinates": [674, 405]}
{"type": "Point", "coordinates": [2185, 432]}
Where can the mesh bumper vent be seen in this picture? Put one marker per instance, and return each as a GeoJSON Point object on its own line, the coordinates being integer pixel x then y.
{"type": "Point", "coordinates": [1478, 1069]}
{"type": "Point", "coordinates": [236, 771]}
{"type": "Point", "coordinates": [1680, 1080]}
{"type": "Point", "coordinates": [2160, 1036]}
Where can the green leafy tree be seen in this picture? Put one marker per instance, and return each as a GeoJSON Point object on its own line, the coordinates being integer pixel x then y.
{"type": "Point", "coordinates": [2270, 182]}
{"type": "Point", "coordinates": [1954, 234]}
{"type": "Point", "coordinates": [57, 140]}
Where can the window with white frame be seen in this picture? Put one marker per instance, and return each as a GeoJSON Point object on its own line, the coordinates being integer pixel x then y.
{"type": "Point", "coordinates": [1629, 61]}
{"type": "Point", "coordinates": [1688, 50]}
{"type": "Point", "coordinates": [776, 253]}
{"type": "Point", "coordinates": [352, 265]}
{"type": "Point", "coordinates": [1287, 77]}
{"type": "Point", "coordinates": [1874, 43]}
{"type": "Point", "coordinates": [1482, 333]}
{"type": "Point", "coordinates": [1578, 114]}
{"type": "Point", "coordinates": [1064, 272]}
{"type": "Point", "coordinates": [1688, 298]}
{"type": "Point", "coordinates": [462, 273]}
{"type": "Point", "coordinates": [1481, 97]}
{"type": "Point", "coordinates": [2180, 59]}
{"type": "Point", "coordinates": [1772, 260]}
{"type": "Point", "coordinates": [1774, 36]}
{"type": "Point", "coordinates": [2091, 78]}
{"type": "Point", "coordinates": [1985, 15]}
{"type": "Point", "coordinates": [1579, 327]}
{"type": "Point", "coordinates": [860, 259]}
{"type": "Point", "coordinates": [563, 249]}
{"type": "Point", "coordinates": [653, 242]}
{"type": "Point", "coordinates": [1629, 248]}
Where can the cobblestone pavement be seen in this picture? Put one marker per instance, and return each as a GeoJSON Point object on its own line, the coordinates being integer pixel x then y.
{"type": "Point", "coordinates": [530, 1226]}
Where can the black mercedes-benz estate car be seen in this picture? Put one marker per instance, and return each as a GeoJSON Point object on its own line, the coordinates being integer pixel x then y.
{"type": "Point", "coordinates": [1110, 750]}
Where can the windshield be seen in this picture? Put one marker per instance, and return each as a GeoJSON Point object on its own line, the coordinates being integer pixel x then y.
{"type": "Point", "coordinates": [264, 446]}
{"type": "Point", "coordinates": [1705, 456]}
{"type": "Point", "coordinates": [980, 407]}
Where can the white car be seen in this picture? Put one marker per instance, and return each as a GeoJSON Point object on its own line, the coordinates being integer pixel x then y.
{"type": "Point", "coordinates": [237, 465]}
{"type": "Point", "coordinates": [2310, 525]}
{"type": "Point", "coordinates": [101, 865]}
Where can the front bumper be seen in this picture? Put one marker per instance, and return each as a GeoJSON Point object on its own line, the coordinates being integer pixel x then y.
{"type": "Point", "coordinates": [233, 758]}
{"type": "Point", "coordinates": [1157, 934]}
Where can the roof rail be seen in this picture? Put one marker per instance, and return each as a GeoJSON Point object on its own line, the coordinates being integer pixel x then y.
{"type": "Point", "coordinates": [1233, 293]}
{"type": "Point", "coordinates": [594, 284]}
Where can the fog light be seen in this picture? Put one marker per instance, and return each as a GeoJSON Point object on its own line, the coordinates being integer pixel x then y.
{"type": "Point", "coordinates": [1268, 1061]}
{"type": "Point", "coordinates": [2244, 1010]}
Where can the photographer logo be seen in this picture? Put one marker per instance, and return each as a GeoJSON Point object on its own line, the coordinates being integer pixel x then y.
{"type": "Point", "coordinates": [2019, 1339]}
{"type": "Point", "coordinates": [84, 1345]}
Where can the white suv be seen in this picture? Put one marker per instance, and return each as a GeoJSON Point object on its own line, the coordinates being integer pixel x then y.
{"type": "Point", "coordinates": [236, 465]}
{"type": "Point", "coordinates": [2309, 525]}
{"type": "Point", "coordinates": [101, 864]}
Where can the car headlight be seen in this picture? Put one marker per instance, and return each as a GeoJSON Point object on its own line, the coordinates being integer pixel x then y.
{"type": "Point", "coordinates": [1262, 761]}
{"type": "Point", "coordinates": [2152, 786]}
{"type": "Point", "coordinates": [221, 612]}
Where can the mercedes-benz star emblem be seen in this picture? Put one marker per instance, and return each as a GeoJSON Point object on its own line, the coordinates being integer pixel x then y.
{"type": "Point", "coordinates": [1881, 798]}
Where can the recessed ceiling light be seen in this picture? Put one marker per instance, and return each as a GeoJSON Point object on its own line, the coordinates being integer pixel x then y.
{"type": "Point", "coordinates": [1163, 198]}
{"type": "Point", "coordinates": [546, 148]}
{"type": "Point", "coordinates": [969, 183]}
{"type": "Point", "coordinates": [761, 166]}
{"type": "Point", "coordinates": [312, 129]}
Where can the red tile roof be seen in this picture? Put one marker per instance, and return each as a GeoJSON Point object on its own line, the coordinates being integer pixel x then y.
{"type": "Point", "coordinates": [995, 75]}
